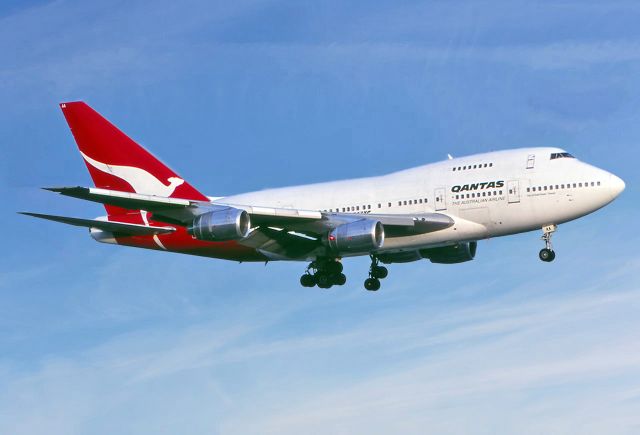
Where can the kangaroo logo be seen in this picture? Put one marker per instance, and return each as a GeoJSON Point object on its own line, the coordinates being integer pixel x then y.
{"type": "Point", "coordinates": [140, 180]}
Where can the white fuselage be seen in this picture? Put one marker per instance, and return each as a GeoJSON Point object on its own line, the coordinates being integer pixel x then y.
{"type": "Point", "coordinates": [487, 195]}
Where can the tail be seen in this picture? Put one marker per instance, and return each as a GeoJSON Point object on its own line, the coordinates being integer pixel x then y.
{"type": "Point", "coordinates": [116, 162]}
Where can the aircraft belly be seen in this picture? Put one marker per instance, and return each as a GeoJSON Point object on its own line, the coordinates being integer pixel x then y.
{"type": "Point", "coordinates": [462, 230]}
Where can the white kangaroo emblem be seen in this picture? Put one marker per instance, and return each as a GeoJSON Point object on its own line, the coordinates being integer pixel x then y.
{"type": "Point", "coordinates": [141, 180]}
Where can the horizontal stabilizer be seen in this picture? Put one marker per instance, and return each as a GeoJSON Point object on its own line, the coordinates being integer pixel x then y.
{"type": "Point", "coordinates": [113, 227]}
{"type": "Point", "coordinates": [130, 201]}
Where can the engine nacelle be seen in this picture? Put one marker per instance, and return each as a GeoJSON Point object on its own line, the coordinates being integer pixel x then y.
{"type": "Point", "coordinates": [364, 235]}
{"type": "Point", "coordinates": [458, 253]}
{"type": "Point", "coordinates": [221, 225]}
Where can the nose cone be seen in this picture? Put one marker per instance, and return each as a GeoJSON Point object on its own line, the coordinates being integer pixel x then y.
{"type": "Point", "coordinates": [616, 186]}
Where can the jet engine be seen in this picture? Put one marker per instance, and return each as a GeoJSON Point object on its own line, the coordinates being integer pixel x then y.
{"type": "Point", "coordinates": [364, 235]}
{"type": "Point", "coordinates": [221, 225]}
{"type": "Point", "coordinates": [458, 253]}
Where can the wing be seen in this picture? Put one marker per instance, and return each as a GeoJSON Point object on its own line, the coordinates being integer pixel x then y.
{"type": "Point", "coordinates": [282, 231]}
{"type": "Point", "coordinates": [113, 227]}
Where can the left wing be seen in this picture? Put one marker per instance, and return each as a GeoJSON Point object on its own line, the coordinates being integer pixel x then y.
{"type": "Point", "coordinates": [110, 226]}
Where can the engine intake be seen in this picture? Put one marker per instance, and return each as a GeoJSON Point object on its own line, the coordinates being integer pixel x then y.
{"type": "Point", "coordinates": [458, 253]}
{"type": "Point", "coordinates": [221, 225]}
{"type": "Point", "coordinates": [363, 235]}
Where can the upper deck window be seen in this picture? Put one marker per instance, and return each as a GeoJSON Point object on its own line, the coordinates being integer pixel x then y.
{"type": "Point", "coordinates": [561, 156]}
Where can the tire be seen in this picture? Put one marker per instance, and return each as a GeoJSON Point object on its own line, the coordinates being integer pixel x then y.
{"type": "Point", "coordinates": [339, 279]}
{"type": "Point", "coordinates": [334, 267]}
{"type": "Point", "coordinates": [546, 255]}
{"type": "Point", "coordinates": [372, 284]}
{"type": "Point", "coordinates": [553, 256]}
{"type": "Point", "coordinates": [307, 280]}
{"type": "Point", "coordinates": [379, 272]}
{"type": "Point", "coordinates": [323, 280]}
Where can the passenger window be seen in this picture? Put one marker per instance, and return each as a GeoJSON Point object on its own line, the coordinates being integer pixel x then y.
{"type": "Point", "coordinates": [490, 164]}
{"type": "Point", "coordinates": [579, 184]}
{"type": "Point", "coordinates": [389, 204]}
{"type": "Point", "coordinates": [405, 202]}
{"type": "Point", "coordinates": [598, 183]}
{"type": "Point", "coordinates": [399, 202]}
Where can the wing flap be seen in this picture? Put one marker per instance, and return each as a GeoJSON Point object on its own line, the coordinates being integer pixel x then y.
{"type": "Point", "coordinates": [113, 227]}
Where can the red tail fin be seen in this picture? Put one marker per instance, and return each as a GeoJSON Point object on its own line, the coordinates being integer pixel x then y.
{"type": "Point", "coordinates": [116, 162]}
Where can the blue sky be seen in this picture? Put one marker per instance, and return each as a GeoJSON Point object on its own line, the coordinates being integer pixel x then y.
{"type": "Point", "coordinates": [241, 96]}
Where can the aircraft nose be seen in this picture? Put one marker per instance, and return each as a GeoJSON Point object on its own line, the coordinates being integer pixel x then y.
{"type": "Point", "coordinates": [616, 186]}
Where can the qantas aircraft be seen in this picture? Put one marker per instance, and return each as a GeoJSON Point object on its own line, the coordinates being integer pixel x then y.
{"type": "Point", "coordinates": [437, 211]}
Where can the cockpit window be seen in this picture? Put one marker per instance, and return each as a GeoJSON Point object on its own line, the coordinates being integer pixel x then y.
{"type": "Point", "coordinates": [561, 156]}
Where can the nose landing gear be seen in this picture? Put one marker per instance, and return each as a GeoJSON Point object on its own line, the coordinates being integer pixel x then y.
{"type": "Point", "coordinates": [323, 273]}
{"type": "Point", "coordinates": [547, 254]}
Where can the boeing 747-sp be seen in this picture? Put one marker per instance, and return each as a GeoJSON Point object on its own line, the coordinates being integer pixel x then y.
{"type": "Point", "coordinates": [437, 211]}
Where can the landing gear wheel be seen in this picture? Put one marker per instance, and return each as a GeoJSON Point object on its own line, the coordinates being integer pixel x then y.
{"type": "Point", "coordinates": [334, 267]}
{"type": "Point", "coordinates": [339, 279]}
{"type": "Point", "coordinates": [307, 280]}
{"type": "Point", "coordinates": [379, 272]}
{"type": "Point", "coordinates": [372, 284]}
{"type": "Point", "coordinates": [323, 280]}
{"type": "Point", "coordinates": [547, 255]}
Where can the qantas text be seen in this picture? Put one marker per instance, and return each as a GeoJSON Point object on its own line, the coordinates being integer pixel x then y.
{"type": "Point", "coordinates": [476, 186]}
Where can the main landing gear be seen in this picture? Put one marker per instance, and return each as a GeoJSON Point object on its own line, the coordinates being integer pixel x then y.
{"type": "Point", "coordinates": [547, 254]}
{"type": "Point", "coordinates": [323, 273]}
{"type": "Point", "coordinates": [376, 273]}
{"type": "Point", "coordinates": [327, 272]}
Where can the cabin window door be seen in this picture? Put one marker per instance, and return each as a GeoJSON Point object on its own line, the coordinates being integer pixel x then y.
{"type": "Point", "coordinates": [513, 191]}
{"type": "Point", "coordinates": [440, 199]}
{"type": "Point", "coordinates": [531, 161]}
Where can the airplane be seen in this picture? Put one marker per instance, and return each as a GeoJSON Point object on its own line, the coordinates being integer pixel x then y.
{"type": "Point", "coordinates": [436, 212]}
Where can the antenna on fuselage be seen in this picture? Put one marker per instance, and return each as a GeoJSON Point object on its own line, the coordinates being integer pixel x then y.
{"type": "Point", "coordinates": [450, 157]}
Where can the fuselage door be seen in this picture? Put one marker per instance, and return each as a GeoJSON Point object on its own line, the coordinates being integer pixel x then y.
{"type": "Point", "coordinates": [513, 191]}
{"type": "Point", "coordinates": [440, 199]}
{"type": "Point", "coordinates": [531, 161]}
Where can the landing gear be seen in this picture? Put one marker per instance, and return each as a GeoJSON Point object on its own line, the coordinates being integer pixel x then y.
{"type": "Point", "coordinates": [324, 273]}
{"type": "Point", "coordinates": [547, 254]}
{"type": "Point", "coordinates": [372, 284]}
{"type": "Point", "coordinates": [376, 273]}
